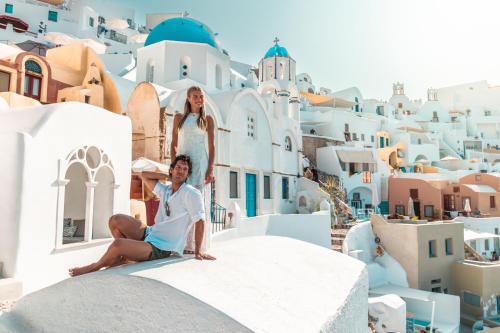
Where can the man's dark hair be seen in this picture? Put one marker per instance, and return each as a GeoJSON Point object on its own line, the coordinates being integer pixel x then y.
{"type": "Point", "coordinates": [184, 158]}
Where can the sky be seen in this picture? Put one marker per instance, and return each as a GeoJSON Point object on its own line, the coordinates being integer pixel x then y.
{"type": "Point", "coordinates": [369, 44]}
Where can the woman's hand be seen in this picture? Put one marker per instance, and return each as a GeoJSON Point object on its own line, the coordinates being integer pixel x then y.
{"type": "Point", "coordinates": [209, 175]}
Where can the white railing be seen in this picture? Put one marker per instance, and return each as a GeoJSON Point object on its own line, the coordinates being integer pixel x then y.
{"type": "Point", "coordinates": [363, 213]}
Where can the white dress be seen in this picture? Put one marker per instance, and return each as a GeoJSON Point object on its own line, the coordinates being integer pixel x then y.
{"type": "Point", "coordinates": [193, 141]}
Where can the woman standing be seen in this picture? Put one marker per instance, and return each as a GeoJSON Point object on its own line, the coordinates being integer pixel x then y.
{"type": "Point", "coordinates": [193, 135]}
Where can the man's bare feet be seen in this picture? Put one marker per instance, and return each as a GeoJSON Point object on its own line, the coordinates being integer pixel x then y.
{"type": "Point", "coordinates": [75, 271]}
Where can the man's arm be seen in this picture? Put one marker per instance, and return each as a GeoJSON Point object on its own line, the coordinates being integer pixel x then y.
{"type": "Point", "coordinates": [151, 178]}
{"type": "Point", "coordinates": [198, 239]}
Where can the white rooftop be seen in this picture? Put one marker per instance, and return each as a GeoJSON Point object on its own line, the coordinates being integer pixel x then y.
{"type": "Point", "coordinates": [264, 283]}
{"type": "Point", "coordinates": [473, 235]}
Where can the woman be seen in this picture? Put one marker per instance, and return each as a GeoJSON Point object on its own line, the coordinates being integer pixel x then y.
{"type": "Point", "coordinates": [193, 135]}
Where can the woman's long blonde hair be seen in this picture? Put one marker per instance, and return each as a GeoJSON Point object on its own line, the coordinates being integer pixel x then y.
{"type": "Point", "coordinates": [202, 118]}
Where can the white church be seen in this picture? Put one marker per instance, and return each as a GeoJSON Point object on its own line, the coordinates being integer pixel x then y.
{"type": "Point", "coordinates": [256, 112]}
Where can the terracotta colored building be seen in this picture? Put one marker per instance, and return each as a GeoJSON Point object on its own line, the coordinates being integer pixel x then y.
{"type": "Point", "coordinates": [67, 73]}
{"type": "Point", "coordinates": [436, 195]}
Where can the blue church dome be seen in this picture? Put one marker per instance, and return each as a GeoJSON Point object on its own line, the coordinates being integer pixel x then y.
{"type": "Point", "coordinates": [276, 51]}
{"type": "Point", "coordinates": [182, 29]}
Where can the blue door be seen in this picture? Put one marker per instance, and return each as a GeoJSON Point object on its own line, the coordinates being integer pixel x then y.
{"type": "Point", "coordinates": [381, 142]}
{"type": "Point", "coordinates": [251, 194]}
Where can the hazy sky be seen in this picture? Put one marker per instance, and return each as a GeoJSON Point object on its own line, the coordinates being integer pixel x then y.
{"type": "Point", "coordinates": [365, 43]}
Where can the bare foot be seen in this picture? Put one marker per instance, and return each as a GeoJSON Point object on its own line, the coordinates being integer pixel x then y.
{"type": "Point", "coordinates": [75, 271]}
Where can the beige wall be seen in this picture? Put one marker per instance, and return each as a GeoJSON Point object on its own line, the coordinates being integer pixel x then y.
{"type": "Point", "coordinates": [18, 101]}
{"type": "Point", "coordinates": [148, 123]}
{"type": "Point", "coordinates": [439, 267]}
{"type": "Point", "coordinates": [73, 63]}
{"type": "Point", "coordinates": [479, 279]}
{"type": "Point", "coordinates": [409, 244]}
{"type": "Point", "coordinates": [401, 241]}
{"type": "Point", "coordinates": [390, 155]}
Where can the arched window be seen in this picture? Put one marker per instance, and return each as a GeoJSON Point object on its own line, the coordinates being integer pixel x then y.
{"type": "Point", "coordinates": [288, 144]}
{"type": "Point", "coordinates": [33, 67]}
{"type": "Point", "coordinates": [32, 79]}
{"type": "Point", "coordinates": [88, 188]}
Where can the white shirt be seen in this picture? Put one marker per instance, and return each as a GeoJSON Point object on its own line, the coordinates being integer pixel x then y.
{"type": "Point", "coordinates": [186, 207]}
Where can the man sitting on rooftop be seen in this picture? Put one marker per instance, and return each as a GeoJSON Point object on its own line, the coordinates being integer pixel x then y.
{"type": "Point", "coordinates": [181, 205]}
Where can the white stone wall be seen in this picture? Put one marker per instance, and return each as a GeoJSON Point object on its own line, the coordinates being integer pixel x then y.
{"type": "Point", "coordinates": [36, 203]}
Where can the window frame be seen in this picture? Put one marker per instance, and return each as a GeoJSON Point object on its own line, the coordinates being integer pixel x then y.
{"type": "Point", "coordinates": [425, 210]}
{"type": "Point", "coordinates": [53, 16]}
{"type": "Point", "coordinates": [270, 196]}
{"type": "Point", "coordinates": [251, 125]}
{"type": "Point", "coordinates": [236, 174]}
{"type": "Point", "coordinates": [472, 295]}
{"type": "Point", "coordinates": [448, 246]}
{"type": "Point", "coordinates": [432, 246]}
{"type": "Point", "coordinates": [8, 77]}
{"type": "Point", "coordinates": [285, 188]}
{"type": "Point", "coordinates": [288, 143]}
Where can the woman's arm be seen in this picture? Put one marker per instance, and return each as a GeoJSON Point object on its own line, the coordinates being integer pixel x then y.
{"type": "Point", "coordinates": [175, 132]}
{"type": "Point", "coordinates": [209, 175]}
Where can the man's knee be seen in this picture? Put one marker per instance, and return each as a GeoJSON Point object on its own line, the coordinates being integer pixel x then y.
{"type": "Point", "coordinates": [117, 244]}
{"type": "Point", "coordinates": [115, 220]}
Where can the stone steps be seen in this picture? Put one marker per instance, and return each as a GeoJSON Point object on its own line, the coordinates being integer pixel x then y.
{"type": "Point", "coordinates": [338, 235]}
{"type": "Point", "coordinates": [337, 248]}
{"type": "Point", "coordinates": [337, 241]}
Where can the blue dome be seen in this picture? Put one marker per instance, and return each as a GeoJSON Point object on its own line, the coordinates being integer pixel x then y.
{"type": "Point", "coordinates": [182, 29]}
{"type": "Point", "coordinates": [276, 51]}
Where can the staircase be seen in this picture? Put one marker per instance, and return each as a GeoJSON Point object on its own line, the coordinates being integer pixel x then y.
{"type": "Point", "coordinates": [338, 235]}
{"type": "Point", "coordinates": [471, 254]}
{"type": "Point", "coordinates": [446, 149]}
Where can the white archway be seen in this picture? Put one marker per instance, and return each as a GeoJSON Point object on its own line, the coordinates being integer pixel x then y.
{"type": "Point", "coordinates": [421, 157]}
{"type": "Point", "coordinates": [86, 195]}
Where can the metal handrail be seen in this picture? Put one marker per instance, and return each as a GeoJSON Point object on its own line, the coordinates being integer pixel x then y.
{"type": "Point", "coordinates": [218, 217]}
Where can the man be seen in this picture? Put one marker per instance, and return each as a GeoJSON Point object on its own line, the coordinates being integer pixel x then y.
{"type": "Point", "coordinates": [181, 205]}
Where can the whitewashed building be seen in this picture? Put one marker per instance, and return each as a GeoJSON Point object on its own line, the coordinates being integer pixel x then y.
{"type": "Point", "coordinates": [62, 183]}
{"type": "Point", "coordinates": [257, 130]}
